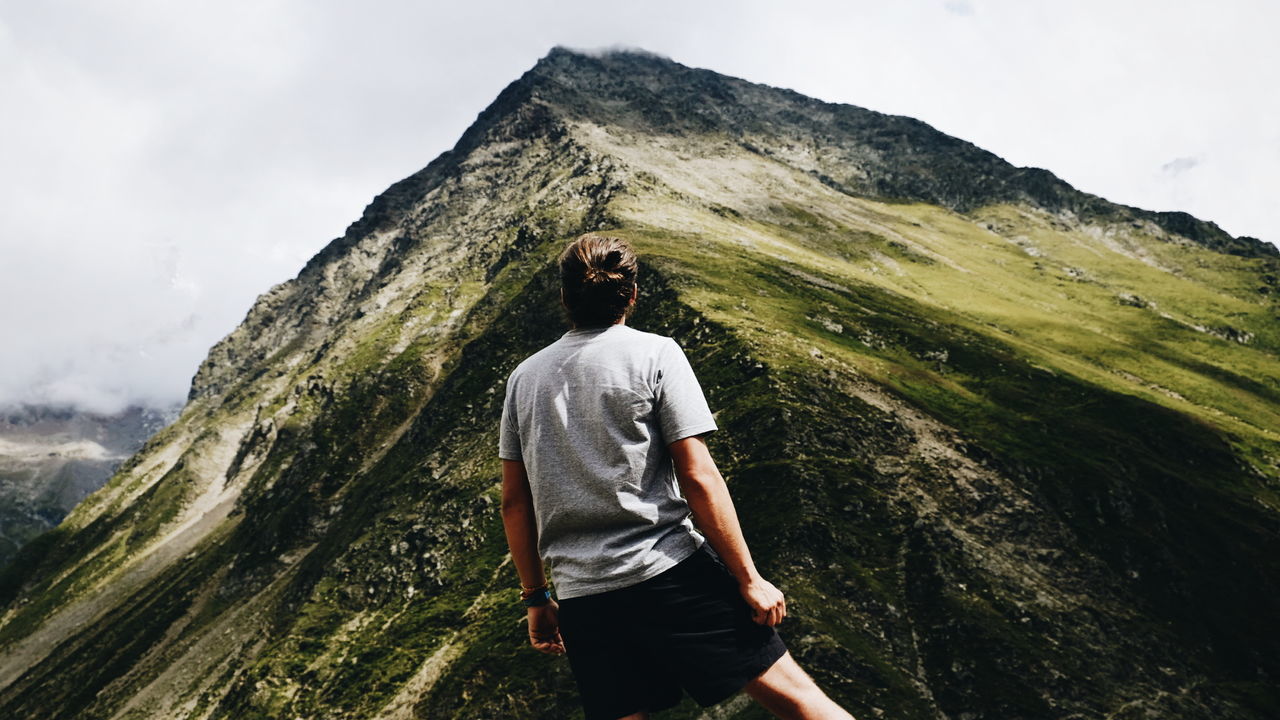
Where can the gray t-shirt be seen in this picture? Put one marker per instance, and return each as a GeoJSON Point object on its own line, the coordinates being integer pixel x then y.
{"type": "Point", "coordinates": [591, 416]}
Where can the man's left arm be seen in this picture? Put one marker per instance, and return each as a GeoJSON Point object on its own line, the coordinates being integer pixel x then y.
{"type": "Point", "coordinates": [522, 537]}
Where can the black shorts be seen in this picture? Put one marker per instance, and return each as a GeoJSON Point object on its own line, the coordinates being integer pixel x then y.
{"type": "Point", "coordinates": [637, 647]}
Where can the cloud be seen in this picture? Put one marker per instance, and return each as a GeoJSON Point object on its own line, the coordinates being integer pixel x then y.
{"type": "Point", "coordinates": [605, 51]}
{"type": "Point", "coordinates": [1180, 165]}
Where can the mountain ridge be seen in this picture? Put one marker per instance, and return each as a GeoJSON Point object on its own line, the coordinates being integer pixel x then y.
{"type": "Point", "coordinates": [1036, 184]}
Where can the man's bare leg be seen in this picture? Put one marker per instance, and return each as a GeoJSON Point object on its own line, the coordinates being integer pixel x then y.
{"type": "Point", "coordinates": [642, 715]}
{"type": "Point", "coordinates": [787, 691]}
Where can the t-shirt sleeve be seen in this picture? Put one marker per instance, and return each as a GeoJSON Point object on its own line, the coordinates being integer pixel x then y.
{"type": "Point", "coordinates": [681, 406]}
{"type": "Point", "coordinates": [509, 431]}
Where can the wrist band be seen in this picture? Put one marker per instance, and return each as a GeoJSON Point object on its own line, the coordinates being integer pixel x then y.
{"type": "Point", "coordinates": [538, 596]}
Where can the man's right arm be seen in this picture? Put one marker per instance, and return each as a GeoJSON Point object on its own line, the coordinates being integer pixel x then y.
{"type": "Point", "coordinates": [714, 514]}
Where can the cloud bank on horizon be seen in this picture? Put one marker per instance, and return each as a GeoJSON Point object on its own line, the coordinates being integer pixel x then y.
{"type": "Point", "coordinates": [167, 163]}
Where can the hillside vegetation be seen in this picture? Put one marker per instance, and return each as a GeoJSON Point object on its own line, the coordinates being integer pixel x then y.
{"type": "Point", "coordinates": [1010, 450]}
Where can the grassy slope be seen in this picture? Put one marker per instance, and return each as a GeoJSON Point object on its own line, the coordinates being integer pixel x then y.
{"type": "Point", "coordinates": [1015, 497]}
{"type": "Point", "coordinates": [888, 611]}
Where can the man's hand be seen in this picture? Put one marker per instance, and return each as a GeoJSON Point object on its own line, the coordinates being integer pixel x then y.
{"type": "Point", "coordinates": [768, 607]}
{"type": "Point", "coordinates": [544, 628]}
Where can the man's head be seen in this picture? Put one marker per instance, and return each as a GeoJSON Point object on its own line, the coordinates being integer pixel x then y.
{"type": "Point", "coordinates": [598, 278]}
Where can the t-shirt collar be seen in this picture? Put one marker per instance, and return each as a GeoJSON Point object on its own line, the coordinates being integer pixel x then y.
{"type": "Point", "coordinates": [575, 332]}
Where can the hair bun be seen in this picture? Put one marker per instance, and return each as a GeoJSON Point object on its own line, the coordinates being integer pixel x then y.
{"type": "Point", "coordinates": [595, 274]}
{"type": "Point", "coordinates": [598, 276]}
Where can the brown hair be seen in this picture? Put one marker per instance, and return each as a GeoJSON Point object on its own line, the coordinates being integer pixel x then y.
{"type": "Point", "coordinates": [598, 274]}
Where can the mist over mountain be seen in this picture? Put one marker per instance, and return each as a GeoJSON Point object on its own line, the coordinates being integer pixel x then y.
{"type": "Point", "coordinates": [1009, 449]}
{"type": "Point", "coordinates": [52, 457]}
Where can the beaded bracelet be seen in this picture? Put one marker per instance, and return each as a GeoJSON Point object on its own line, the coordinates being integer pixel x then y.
{"type": "Point", "coordinates": [539, 594]}
{"type": "Point", "coordinates": [531, 588]}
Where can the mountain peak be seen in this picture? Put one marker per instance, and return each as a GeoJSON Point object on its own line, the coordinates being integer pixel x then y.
{"type": "Point", "coordinates": [863, 152]}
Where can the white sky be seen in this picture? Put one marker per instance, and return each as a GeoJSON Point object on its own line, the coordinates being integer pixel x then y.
{"type": "Point", "coordinates": [163, 163]}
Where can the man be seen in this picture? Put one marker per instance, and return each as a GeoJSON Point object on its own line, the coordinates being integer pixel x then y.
{"type": "Point", "coordinates": [598, 429]}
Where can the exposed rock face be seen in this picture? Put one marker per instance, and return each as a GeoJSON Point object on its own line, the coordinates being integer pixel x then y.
{"type": "Point", "coordinates": [51, 458]}
{"type": "Point", "coordinates": [988, 487]}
